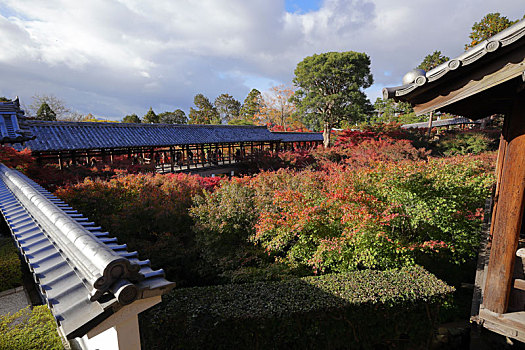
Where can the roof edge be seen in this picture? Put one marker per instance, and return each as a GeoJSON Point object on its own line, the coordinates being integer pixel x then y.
{"type": "Point", "coordinates": [502, 39]}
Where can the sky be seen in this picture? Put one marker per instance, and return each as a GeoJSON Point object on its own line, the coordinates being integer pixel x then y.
{"type": "Point", "coordinates": [116, 57]}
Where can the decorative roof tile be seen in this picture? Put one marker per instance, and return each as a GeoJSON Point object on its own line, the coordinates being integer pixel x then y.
{"type": "Point", "coordinates": [83, 274]}
{"type": "Point", "coordinates": [13, 128]}
{"type": "Point", "coordinates": [487, 48]}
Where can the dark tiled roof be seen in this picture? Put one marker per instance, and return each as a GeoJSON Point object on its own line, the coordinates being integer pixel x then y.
{"type": "Point", "coordinates": [56, 136]}
{"type": "Point", "coordinates": [444, 122]}
{"type": "Point", "coordinates": [489, 47]}
{"type": "Point", "coordinates": [287, 136]}
{"type": "Point", "coordinates": [83, 274]}
{"type": "Point", "coordinates": [13, 128]}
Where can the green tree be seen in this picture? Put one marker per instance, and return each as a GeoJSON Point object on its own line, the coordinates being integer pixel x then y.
{"type": "Point", "coordinates": [388, 110]}
{"type": "Point", "coordinates": [46, 113]}
{"type": "Point", "coordinates": [176, 117]}
{"type": "Point", "coordinates": [150, 117]}
{"type": "Point", "coordinates": [4, 99]}
{"type": "Point", "coordinates": [330, 89]}
{"type": "Point", "coordinates": [205, 113]}
{"type": "Point", "coordinates": [432, 61]}
{"type": "Point", "coordinates": [227, 107]}
{"type": "Point", "coordinates": [131, 118]}
{"type": "Point", "coordinates": [251, 106]}
{"type": "Point", "coordinates": [490, 25]}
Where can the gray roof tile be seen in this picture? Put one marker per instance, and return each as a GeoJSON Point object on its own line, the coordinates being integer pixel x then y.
{"type": "Point", "coordinates": [13, 128]}
{"type": "Point", "coordinates": [68, 259]}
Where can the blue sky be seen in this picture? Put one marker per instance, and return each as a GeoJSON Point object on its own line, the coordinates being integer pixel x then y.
{"type": "Point", "coordinates": [302, 6]}
{"type": "Point", "coordinates": [116, 57]}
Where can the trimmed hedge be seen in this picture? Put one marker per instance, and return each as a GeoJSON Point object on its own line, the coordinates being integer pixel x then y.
{"type": "Point", "coordinates": [10, 269]}
{"type": "Point", "coordinates": [29, 329]}
{"type": "Point", "coordinates": [360, 310]}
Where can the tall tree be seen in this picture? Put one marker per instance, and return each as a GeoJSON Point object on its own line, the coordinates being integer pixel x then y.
{"type": "Point", "coordinates": [46, 113]}
{"type": "Point", "coordinates": [57, 105]}
{"type": "Point", "coordinates": [176, 117]}
{"type": "Point", "coordinates": [432, 61]}
{"type": "Point", "coordinates": [131, 118]}
{"type": "Point", "coordinates": [278, 109]}
{"type": "Point", "coordinates": [227, 107]}
{"type": "Point", "coordinates": [330, 89]}
{"type": "Point", "coordinates": [205, 113]}
{"type": "Point", "coordinates": [490, 25]}
{"type": "Point", "coordinates": [390, 111]}
{"type": "Point", "coordinates": [250, 108]}
{"type": "Point", "coordinates": [150, 117]}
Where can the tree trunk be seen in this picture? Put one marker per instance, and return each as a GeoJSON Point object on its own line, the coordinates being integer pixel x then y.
{"type": "Point", "coordinates": [326, 135]}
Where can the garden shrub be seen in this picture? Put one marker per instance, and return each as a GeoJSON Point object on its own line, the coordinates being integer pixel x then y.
{"type": "Point", "coordinates": [149, 213]}
{"type": "Point", "coordinates": [225, 220]}
{"type": "Point", "coordinates": [10, 268]}
{"type": "Point", "coordinates": [439, 202]}
{"type": "Point", "coordinates": [325, 224]}
{"type": "Point", "coordinates": [29, 329]}
{"type": "Point", "coordinates": [467, 142]}
{"type": "Point", "coordinates": [361, 310]}
{"type": "Point", "coordinates": [388, 214]}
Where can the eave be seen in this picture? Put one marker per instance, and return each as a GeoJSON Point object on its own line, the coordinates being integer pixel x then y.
{"type": "Point", "coordinates": [478, 83]}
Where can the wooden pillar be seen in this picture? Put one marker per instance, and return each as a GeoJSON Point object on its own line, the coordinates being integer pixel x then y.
{"type": "Point", "coordinates": [188, 155]}
{"type": "Point", "coordinates": [172, 159]}
{"type": "Point", "coordinates": [111, 156]}
{"type": "Point", "coordinates": [430, 123]}
{"type": "Point", "coordinates": [60, 161]}
{"type": "Point", "coordinates": [506, 224]}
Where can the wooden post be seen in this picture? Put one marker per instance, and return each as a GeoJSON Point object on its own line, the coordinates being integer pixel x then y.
{"type": "Point", "coordinates": [172, 159]}
{"type": "Point", "coordinates": [509, 214]}
{"type": "Point", "coordinates": [60, 161]}
{"type": "Point", "coordinates": [430, 123]}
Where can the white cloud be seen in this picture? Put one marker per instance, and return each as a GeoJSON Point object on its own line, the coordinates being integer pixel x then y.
{"type": "Point", "coordinates": [114, 58]}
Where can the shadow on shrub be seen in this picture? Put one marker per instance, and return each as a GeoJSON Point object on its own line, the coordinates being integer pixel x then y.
{"type": "Point", "coordinates": [360, 310]}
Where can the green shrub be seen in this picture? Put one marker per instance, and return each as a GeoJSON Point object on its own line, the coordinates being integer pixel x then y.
{"type": "Point", "coordinates": [10, 269]}
{"type": "Point", "coordinates": [29, 329]}
{"type": "Point", "coordinates": [466, 142]}
{"type": "Point", "coordinates": [225, 220]}
{"type": "Point", "coordinates": [361, 310]}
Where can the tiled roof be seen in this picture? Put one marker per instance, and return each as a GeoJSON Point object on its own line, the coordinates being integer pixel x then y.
{"type": "Point", "coordinates": [287, 136]}
{"type": "Point", "coordinates": [444, 122]}
{"type": "Point", "coordinates": [13, 127]}
{"type": "Point", "coordinates": [57, 136]}
{"type": "Point", "coordinates": [494, 45]}
{"type": "Point", "coordinates": [83, 274]}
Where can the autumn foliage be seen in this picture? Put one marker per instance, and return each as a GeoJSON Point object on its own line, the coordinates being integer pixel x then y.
{"type": "Point", "coordinates": [373, 201]}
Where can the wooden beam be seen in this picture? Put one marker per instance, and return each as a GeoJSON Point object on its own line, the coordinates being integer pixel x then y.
{"type": "Point", "coordinates": [508, 217]}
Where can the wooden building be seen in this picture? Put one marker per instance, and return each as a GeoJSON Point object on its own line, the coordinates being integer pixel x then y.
{"type": "Point", "coordinates": [485, 80]}
{"type": "Point", "coordinates": [170, 147]}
